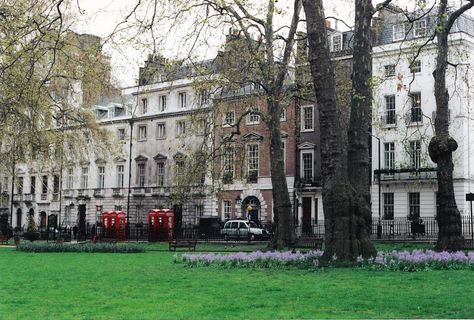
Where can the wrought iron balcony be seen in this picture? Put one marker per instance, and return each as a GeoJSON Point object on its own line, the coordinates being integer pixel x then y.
{"type": "Point", "coordinates": [405, 174]}
{"type": "Point", "coordinates": [117, 192]}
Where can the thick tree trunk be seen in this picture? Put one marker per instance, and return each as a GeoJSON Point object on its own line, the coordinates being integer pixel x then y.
{"type": "Point", "coordinates": [345, 212]}
{"type": "Point", "coordinates": [285, 232]}
{"type": "Point", "coordinates": [360, 124]}
{"type": "Point", "coordinates": [442, 145]}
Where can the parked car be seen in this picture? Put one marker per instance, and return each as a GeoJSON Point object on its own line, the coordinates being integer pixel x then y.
{"type": "Point", "coordinates": [243, 229]}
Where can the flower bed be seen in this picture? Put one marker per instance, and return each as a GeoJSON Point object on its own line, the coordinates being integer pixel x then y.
{"type": "Point", "coordinates": [76, 247]}
{"type": "Point", "coordinates": [418, 260]}
{"type": "Point", "coordinates": [255, 259]}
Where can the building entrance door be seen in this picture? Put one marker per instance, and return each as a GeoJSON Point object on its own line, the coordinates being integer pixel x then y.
{"type": "Point", "coordinates": [81, 217]}
{"type": "Point", "coordinates": [251, 209]}
{"type": "Point", "coordinates": [307, 208]}
{"type": "Point", "coordinates": [18, 218]}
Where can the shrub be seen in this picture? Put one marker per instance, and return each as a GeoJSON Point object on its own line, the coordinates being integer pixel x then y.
{"type": "Point", "coordinates": [77, 247]}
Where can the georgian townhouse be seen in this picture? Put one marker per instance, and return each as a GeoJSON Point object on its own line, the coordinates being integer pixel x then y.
{"type": "Point", "coordinates": [309, 216]}
{"type": "Point", "coordinates": [404, 113]}
{"type": "Point", "coordinates": [163, 126]}
{"type": "Point", "coordinates": [243, 160]}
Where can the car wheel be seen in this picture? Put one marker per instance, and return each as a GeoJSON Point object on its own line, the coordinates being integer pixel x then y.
{"type": "Point", "coordinates": [226, 237]}
{"type": "Point", "coordinates": [252, 237]}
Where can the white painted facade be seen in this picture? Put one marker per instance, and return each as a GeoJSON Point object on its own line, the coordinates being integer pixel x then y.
{"type": "Point", "coordinates": [404, 131]}
{"type": "Point", "coordinates": [102, 184]}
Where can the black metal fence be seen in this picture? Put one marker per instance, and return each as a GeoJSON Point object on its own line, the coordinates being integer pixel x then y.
{"type": "Point", "coordinates": [397, 229]}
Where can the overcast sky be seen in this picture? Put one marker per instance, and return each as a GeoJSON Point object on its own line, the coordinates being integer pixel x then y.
{"type": "Point", "coordinates": [100, 17]}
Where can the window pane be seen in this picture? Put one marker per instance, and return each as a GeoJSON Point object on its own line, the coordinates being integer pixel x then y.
{"type": "Point", "coordinates": [307, 166]}
{"type": "Point", "coordinates": [388, 206]}
{"type": "Point", "coordinates": [390, 116]}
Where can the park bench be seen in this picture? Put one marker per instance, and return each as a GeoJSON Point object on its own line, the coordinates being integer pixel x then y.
{"type": "Point", "coordinates": [189, 244]}
{"type": "Point", "coordinates": [4, 239]}
{"type": "Point", "coordinates": [312, 243]}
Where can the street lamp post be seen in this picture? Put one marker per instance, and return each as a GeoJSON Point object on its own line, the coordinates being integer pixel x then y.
{"type": "Point", "coordinates": [379, 224]}
{"type": "Point", "coordinates": [129, 178]}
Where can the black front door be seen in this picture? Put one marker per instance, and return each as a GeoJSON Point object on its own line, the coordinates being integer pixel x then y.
{"type": "Point", "coordinates": [81, 217]}
{"type": "Point", "coordinates": [307, 215]}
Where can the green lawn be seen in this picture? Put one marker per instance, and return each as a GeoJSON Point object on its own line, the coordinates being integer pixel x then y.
{"type": "Point", "coordinates": [150, 286]}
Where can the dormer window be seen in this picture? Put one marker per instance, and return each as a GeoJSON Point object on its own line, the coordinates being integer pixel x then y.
{"type": "Point", "coordinates": [336, 42]}
{"type": "Point", "coordinates": [398, 32]}
{"type": "Point", "coordinates": [419, 28]}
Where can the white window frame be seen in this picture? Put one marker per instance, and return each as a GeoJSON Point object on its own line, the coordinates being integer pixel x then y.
{"type": "Point", "coordinates": [161, 133]}
{"type": "Point", "coordinates": [121, 133]}
{"type": "Point", "coordinates": [420, 28]}
{"type": "Point", "coordinates": [200, 127]}
{"type": "Point", "coordinates": [182, 97]}
{"type": "Point", "coordinates": [226, 209]}
{"type": "Point", "coordinates": [44, 184]}
{"type": "Point", "coordinates": [160, 173]}
{"type": "Point", "coordinates": [101, 177]}
{"type": "Point", "coordinates": [142, 132]}
{"type": "Point", "coordinates": [388, 205]}
{"type": "Point", "coordinates": [414, 150]}
{"type": "Point", "coordinates": [84, 177]}
{"type": "Point", "coordinates": [303, 118]}
{"type": "Point", "coordinates": [141, 174]}
{"type": "Point", "coordinates": [162, 102]}
{"type": "Point", "coordinates": [389, 155]}
{"type": "Point", "coordinates": [283, 115]}
{"type": "Point", "coordinates": [199, 210]}
{"type": "Point", "coordinates": [180, 128]}
{"type": "Point", "coordinates": [416, 111]}
{"type": "Point", "coordinates": [70, 179]}
{"type": "Point", "coordinates": [204, 97]}
{"type": "Point", "coordinates": [414, 203]}
{"type": "Point", "coordinates": [144, 106]}
{"type": "Point", "coordinates": [389, 70]}
{"type": "Point", "coordinates": [390, 107]}
{"type": "Point", "coordinates": [226, 120]}
{"type": "Point", "coordinates": [302, 167]}
{"type": "Point", "coordinates": [252, 160]}
{"type": "Point", "coordinates": [228, 160]}
{"type": "Point", "coordinates": [32, 184]}
{"type": "Point", "coordinates": [20, 184]}
{"type": "Point", "coordinates": [415, 66]}
{"type": "Point", "coordinates": [253, 117]}
{"type": "Point", "coordinates": [120, 175]}
{"type": "Point", "coordinates": [398, 32]}
{"type": "Point", "coordinates": [336, 42]}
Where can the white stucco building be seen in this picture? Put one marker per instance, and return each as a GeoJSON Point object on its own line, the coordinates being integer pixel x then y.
{"type": "Point", "coordinates": [404, 112]}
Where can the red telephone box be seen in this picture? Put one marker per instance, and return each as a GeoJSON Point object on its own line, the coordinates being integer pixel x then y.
{"type": "Point", "coordinates": [160, 225]}
{"type": "Point", "coordinates": [114, 224]}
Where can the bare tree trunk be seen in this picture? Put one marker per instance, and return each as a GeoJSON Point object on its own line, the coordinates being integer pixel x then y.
{"type": "Point", "coordinates": [285, 232]}
{"type": "Point", "coordinates": [344, 215]}
{"type": "Point", "coordinates": [442, 145]}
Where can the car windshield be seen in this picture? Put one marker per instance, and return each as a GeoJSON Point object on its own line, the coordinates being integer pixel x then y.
{"type": "Point", "coordinates": [253, 224]}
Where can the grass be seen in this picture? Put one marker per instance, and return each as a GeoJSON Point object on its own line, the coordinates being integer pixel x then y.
{"type": "Point", "coordinates": [149, 286]}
